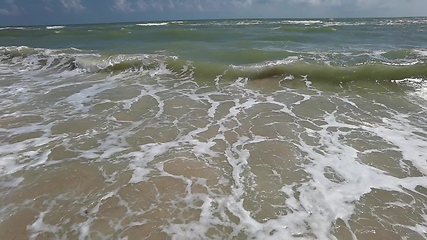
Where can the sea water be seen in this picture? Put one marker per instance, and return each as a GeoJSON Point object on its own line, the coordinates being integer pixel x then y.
{"type": "Point", "coordinates": [217, 129]}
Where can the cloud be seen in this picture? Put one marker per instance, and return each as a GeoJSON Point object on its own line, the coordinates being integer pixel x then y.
{"type": "Point", "coordinates": [123, 6]}
{"type": "Point", "coordinates": [74, 5]}
{"type": "Point", "coordinates": [157, 5]}
{"type": "Point", "coordinates": [350, 3]}
{"type": "Point", "coordinates": [215, 5]}
{"type": "Point", "coordinates": [376, 3]}
{"type": "Point", "coordinates": [142, 5]}
{"type": "Point", "coordinates": [242, 3]}
{"type": "Point", "coordinates": [69, 5]}
{"type": "Point", "coordinates": [189, 5]}
{"type": "Point", "coordinates": [10, 9]}
{"type": "Point", "coordinates": [318, 2]}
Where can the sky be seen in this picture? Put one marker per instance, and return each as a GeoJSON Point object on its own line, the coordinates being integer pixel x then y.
{"type": "Point", "coordinates": [56, 12]}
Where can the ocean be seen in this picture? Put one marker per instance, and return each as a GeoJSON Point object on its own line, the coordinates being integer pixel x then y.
{"type": "Point", "coordinates": [215, 129]}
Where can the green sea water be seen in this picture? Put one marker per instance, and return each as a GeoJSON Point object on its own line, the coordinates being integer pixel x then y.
{"type": "Point", "coordinates": [215, 129]}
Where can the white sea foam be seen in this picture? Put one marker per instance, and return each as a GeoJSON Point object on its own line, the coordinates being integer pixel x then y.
{"type": "Point", "coordinates": [286, 162]}
{"type": "Point", "coordinates": [55, 27]}
{"type": "Point", "coordinates": [302, 22]}
{"type": "Point", "coordinates": [285, 61]}
{"type": "Point", "coordinates": [12, 28]}
{"type": "Point", "coordinates": [25, 152]}
{"type": "Point", "coordinates": [154, 24]}
{"type": "Point", "coordinates": [422, 92]}
{"type": "Point", "coordinates": [421, 52]}
{"type": "Point", "coordinates": [419, 84]}
{"type": "Point", "coordinates": [402, 22]}
{"type": "Point", "coordinates": [401, 135]}
{"type": "Point", "coordinates": [249, 22]}
{"type": "Point", "coordinates": [313, 203]}
{"type": "Point", "coordinates": [331, 24]}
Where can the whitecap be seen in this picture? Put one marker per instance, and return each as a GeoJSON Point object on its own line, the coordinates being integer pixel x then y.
{"type": "Point", "coordinates": [152, 24]}
{"type": "Point", "coordinates": [54, 27]}
{"type": "Point", "coordinates": [303, 22]}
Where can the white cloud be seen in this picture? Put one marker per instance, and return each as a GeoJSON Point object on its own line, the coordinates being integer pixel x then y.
{"type": "Point", "coordinates": [74, 5]}
{"type": "Point", "coordinates": [123, 5]}
{"type": "Point", "coordinates": [158, 5]}
{"type": "Point", "coordinates": [10, 9]}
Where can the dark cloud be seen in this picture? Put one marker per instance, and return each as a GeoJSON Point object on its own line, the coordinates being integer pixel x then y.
{"type": "Point", "coordinates": [10, 8]}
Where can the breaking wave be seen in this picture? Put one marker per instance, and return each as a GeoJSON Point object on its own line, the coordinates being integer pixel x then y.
{"type": "Point", "coordinates": [293, 66]}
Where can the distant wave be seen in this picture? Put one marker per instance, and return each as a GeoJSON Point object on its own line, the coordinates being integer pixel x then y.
{"type": "Point", "coordinates": [303, 22]}
{"type": "Point", "coordinates": [152, 24]}
{"type": "Point", "coordinates": [332, 24]}
{"type": "Point", "coordinates": [307, 29]}
{"type": "Point", "coordinates": [54, 27]}
{"type": "Point", "coordinates": [13, 28]}
{"type": "Point", "coordinates": [249, 22]}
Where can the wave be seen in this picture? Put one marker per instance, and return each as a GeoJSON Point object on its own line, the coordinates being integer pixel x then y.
{"type": "Point", "coordinates": [302, 22]}
{"type": "Point", "coordinates": [72, 59]}
{"type": "Point", "coordinates": [342, 24]}
{"type": "Point", "coordinates": [322, 72]}
{"type": "Point", "coordinates": [12, 28]}
{"type": "Point", "coordinates": [401, 22]}
{"type": "Point", "coordinates": [19, 28]}
{"type": "Point", "coordinates": [421, 52]}
{"type": "Point", "coordinates": [249, 22]}
{"type": "Point", "coordinates": [307, 29]}
{"type": "Point", "coordinates": [152, 24]}
{"type": "Point", "coordinates": [55, 27]}
{"type": "Point", "coordinates": [23, 57]}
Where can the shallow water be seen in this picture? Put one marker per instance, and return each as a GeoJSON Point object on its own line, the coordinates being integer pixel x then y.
{"type": "Point", "coordinates": [160, 147]}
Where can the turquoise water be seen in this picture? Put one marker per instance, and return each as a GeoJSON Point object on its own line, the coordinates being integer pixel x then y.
{"type": "Point", "coordinates": [215, 129]}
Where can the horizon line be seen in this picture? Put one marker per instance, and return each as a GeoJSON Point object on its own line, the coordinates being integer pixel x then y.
{"type": "Point", "coordinates": [205, 19]}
